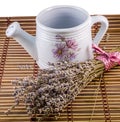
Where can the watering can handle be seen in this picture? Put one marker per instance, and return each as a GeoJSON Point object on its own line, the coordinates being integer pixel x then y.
{"type": "Point", "coordinates": [104, 26]}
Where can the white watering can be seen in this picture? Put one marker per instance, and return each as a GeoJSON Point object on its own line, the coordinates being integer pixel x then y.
{"type": "Point", "coordinates": [62, 33]}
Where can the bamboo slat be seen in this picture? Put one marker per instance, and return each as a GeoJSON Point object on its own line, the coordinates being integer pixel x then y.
{"type": "Point", "coordinates": [16, 62]}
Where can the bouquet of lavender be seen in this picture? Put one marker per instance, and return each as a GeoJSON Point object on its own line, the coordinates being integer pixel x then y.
{"type": "Point", "coordinates": [53, 89]}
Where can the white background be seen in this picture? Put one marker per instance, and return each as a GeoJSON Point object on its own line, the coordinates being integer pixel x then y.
{"type": "Point", "coordinates": [33, 7]}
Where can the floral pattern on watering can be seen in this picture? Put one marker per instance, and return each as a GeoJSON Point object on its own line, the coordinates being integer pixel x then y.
{"type": "Point", "coordinates": [65, 50]}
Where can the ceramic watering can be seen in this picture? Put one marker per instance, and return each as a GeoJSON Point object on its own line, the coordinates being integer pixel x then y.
{"type": "Point", "coordinates": [62, 33]}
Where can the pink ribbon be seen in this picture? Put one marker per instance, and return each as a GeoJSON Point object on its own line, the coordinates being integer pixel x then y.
{"type": "Point", "coordinates": [109, 59]}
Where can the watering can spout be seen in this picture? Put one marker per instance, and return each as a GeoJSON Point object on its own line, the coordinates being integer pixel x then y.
{"type": "Point", "coordinates": [23, 38]}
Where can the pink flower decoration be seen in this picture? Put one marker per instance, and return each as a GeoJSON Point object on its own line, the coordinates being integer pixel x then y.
{"type": "Point", "coordinates": [66, 50]}
{"type": "Point", "coordinates": [72, 44]}
{"type": "Point", "coordinates": [60, 51]}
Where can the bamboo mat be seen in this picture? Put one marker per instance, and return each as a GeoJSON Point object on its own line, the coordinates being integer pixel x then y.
{"type": "Point", "coordinates": [98, 102]}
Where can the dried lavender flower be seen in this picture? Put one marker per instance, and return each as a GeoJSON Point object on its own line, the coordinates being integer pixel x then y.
{"type": "Point", "coordinates": [54, 88]}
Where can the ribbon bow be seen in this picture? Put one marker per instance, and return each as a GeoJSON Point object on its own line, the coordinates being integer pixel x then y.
{"type": "Point", "coordinates": [109, 59]}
